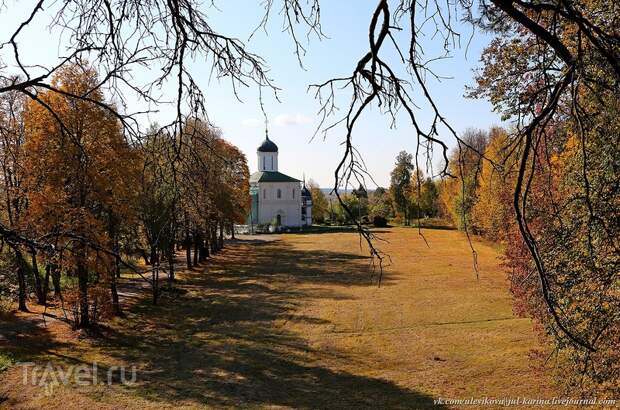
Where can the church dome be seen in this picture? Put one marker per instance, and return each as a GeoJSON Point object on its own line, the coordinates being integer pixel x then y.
{"type": "Point", "coordinates": [268, 146]}
{"type": "Point", "coordinates": [305, 192]}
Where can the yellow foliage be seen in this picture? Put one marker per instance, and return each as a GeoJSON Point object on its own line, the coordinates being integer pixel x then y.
{"type": "Point", "coordinates": [495, 187]}
{"type": "Point", "coordinates": [79, 168]}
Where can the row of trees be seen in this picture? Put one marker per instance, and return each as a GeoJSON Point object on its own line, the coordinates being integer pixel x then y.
{"type": "Point", "coordinates": [553, 71]}
{"type": "Point", "coordinates": [553, 68]}
{"type": "Point", "coordinates": [576, 230]}
{"type": "Point", "coordinates": [573, 216]}
{"type": "Point", "coordinates": [93, 199]}
{"type": "Point", "coordinates": [411, 195]}
{"type": "Point", "coordinates": [478, 197]}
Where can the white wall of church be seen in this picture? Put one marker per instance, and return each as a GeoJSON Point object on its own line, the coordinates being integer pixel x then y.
{"type": "Point", "coordinates": [287, 205]}
{"type": "Point", "coordinates": [267, 161]}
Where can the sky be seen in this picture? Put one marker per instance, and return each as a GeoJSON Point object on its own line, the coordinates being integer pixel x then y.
{"type": "Point", "coordinates": [293, 119]}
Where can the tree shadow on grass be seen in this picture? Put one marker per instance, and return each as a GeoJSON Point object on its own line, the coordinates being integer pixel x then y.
{"type": "Point", "coordinates": [225, 341]}
{"type": "Point", "coordinates": [439, 227]}
{"type": "Point", "coordinates": [277, 259]}
{"type": "Point", "coordinates": [25, 338]}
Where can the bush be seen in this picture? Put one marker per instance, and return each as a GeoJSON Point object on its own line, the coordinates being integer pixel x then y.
{"type": "Point", "coordinates": [379, 221]}
{"type": "Point", "coordinates": [5, 361]}
{"type": "Point", "coordinates": [8, 281]}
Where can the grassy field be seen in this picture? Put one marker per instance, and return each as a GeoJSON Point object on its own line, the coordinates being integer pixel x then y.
{"type": "Point", "coordinates": [297, 321]}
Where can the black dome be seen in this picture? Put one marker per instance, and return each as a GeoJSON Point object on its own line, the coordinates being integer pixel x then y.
{"type": "Point", "coordinates": [268, 146]}
{"type": "Point", "coordinates": [305, 192]}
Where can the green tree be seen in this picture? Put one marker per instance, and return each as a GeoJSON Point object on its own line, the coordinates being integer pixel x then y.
{"type": "Point", "coordinates": [400, 185]}
{"type": "Point", "coordinates": [429, 198]}
{"type": "Point", "coordinates": [380, 204]}
{"type": "Point", "coordinates": [341, 216]}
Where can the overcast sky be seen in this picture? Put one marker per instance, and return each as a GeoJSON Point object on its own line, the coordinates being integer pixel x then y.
{"type": "Point", "coordinates": [293, 120]}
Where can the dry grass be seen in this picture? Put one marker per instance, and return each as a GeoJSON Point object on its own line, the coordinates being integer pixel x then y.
{"type": "Point", "coordinates": [296, 321]}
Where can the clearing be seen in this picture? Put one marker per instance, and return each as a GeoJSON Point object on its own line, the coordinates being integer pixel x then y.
{"type": "Point", "coordinates": [296, 321]}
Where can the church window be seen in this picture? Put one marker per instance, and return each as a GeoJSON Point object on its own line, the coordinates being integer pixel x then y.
{"type": "Point", "coordinates": [264, 194]}
{"type": "Point", "coordinates": [293, 193]}
{"type": "Point", "coordinates": [263, 162]}
{"type": "Point", "coordinates": [279, 193]}
{"type": "Point", "coordinates": [272, 162]}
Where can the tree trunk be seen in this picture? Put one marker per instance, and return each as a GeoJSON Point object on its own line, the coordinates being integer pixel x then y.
{"type": "Point", "coordinates": [212, 243]}
{"type": "Point", "coordinates": [21, 280]}
{"type": "Point", "coordinates": [116, 304]}
{"type": "Point", "coordinates": [82, 274]}
{"type": "Point", "coordinates": [221, 240]}
{"type": "Point", "coordinates": [155, 274]}
{"type": "Point", "coordinates": [46, 282]}
{"type": "Point", "coordinates": [38, 285]}
{"type": "Point", "coordinates": [113, 229]}
{"type": "Point", "coordinates": [204, 252]}
{"type": "Point", "coordinates": [144, 256]}
{"type": "Point", "coordinates": [56, 281]}
{"type": "Point", "coordinates": [197, 240]}
{"type": "Point", "coordinates": [171, 265]}
{"type": "Point", "coordinates": [188, 252]}
{"type": "Point", "coordinates": [155, 282]}
{"type": "Point", "coordinates": [232, 231]}
{"type": "Point", "coordinates": [214, 239]}
{"type": "Point", "coordinates": [188, 244]}
{"type": "Point", "coordinates": [118, 266]}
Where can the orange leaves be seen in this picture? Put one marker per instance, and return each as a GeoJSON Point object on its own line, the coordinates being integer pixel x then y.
{"type": "Point", "coordinates": [78, 166]}
{"type": "Point", "coordinates": [219, 183]}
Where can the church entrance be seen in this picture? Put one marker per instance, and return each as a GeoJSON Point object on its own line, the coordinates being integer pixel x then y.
{"type": "Point", "coordinates": [279, 220]}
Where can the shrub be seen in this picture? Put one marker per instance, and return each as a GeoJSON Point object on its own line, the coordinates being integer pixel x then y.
{"type": "Point", "coordinates": [379, 221]}
{"type": "Point", "coordinates": [5, 361]}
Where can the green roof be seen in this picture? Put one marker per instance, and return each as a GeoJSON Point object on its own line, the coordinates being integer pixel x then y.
{"type": "Point", "coordinates": [271, 176]}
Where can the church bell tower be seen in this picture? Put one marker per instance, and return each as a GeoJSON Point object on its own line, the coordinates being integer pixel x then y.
{"type": "Point", "coordinates": [267, 156]}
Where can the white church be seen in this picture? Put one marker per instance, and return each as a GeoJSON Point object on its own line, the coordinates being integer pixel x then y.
{"type": "Point", "coordinates": [277, 199]}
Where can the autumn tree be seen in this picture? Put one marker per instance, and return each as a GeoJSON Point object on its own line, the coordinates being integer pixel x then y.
{"type": "Point", "coordinates": [493, 207]}
{"type": "Point", "coordinates": [231, 186]}
{"type": "Point", "coordinates": [14, 201]}
{"type": "Point", "coordinates": [552, 62]}
{"type": "Point", "coordinates": [320, 206]}
{"type": "Point", "coordinates": [459, 193]}
{"type": "Point", "coordinates": [78, 175]}
{"type": "Point", "coordinates": [553, 69]}
{"type": "Point", "coordinates": [214, 189]}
